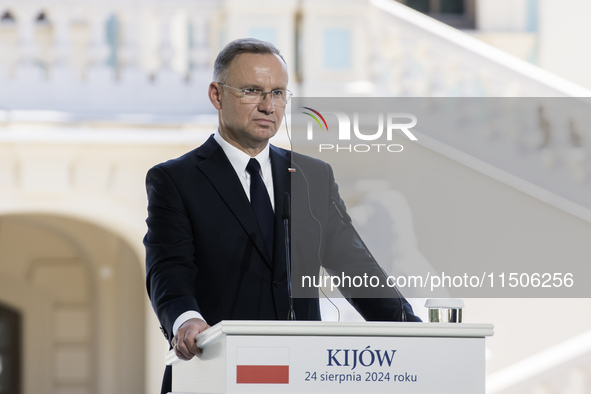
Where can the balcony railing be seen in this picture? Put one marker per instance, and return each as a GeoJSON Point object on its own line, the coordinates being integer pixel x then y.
{"type": "Point", "coordinates": [104, 58]}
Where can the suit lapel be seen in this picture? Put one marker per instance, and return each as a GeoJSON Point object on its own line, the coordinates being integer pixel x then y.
{"type": "Point", "coordinates": [214, 164]}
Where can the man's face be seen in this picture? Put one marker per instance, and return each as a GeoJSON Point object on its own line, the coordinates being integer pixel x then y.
{"type": "Point", "coordinates": [250, 126]}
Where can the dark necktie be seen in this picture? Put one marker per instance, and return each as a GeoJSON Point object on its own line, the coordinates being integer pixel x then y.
{"type": "Point", "coordinates": [261, 204]}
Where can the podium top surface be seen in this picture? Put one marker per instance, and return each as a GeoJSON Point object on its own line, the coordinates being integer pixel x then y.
{"type": "Point", "coordinates": [350, 329]}
{"type": "Point", "coordinates": [356, 329]}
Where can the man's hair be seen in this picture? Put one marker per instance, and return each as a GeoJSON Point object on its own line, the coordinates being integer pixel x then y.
{"type": "Point", "coordinates": [237, 47]}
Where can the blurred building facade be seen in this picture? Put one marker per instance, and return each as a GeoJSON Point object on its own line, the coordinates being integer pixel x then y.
{"type": "Point", "coordinates": [93, 93]}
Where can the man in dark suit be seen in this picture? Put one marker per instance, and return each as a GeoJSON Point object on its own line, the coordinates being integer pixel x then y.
{"type": "Point", "coordinates": [215, 242]}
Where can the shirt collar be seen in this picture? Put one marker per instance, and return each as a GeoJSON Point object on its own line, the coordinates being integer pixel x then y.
{"type": "Point", "coordinates": [240, 159]}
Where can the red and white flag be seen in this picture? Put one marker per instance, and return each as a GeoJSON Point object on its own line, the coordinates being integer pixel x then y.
{"type": "Point", "coordinates": [262, 365]}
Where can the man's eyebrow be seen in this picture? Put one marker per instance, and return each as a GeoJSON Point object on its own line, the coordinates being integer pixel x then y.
{"type": "Point", "coordinates": [251, 86]}
{"type": "Point", "coordinates": [256, 86]}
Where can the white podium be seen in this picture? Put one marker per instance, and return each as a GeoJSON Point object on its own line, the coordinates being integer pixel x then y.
{"type": "Point", "coordinates": [331, 357]}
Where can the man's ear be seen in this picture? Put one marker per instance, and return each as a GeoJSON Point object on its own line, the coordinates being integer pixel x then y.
{"type": "Point", "coordinates": [215, 95]}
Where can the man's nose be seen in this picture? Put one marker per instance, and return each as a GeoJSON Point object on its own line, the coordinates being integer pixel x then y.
{"type": "Point", "coordinates": [267, 105]}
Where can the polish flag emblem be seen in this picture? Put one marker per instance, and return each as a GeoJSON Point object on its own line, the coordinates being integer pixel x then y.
{"type": "Point", "coordinates": [262, 365]}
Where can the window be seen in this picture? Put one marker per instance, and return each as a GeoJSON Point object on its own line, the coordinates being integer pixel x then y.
{"type": "Point", "coordinates": [264, 33]}
{"type": "Point", "coordinates": [112, 32]}
{"type": "Point", "coordinates": [532, 15]}
{"type": "Point", "coordinates": [456, 13]}
{"type": "Point", "coordinates": [10, 362]}
{"type": "Point", "coordinates": [337, 49]}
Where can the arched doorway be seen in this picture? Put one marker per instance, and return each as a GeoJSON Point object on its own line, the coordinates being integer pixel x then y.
{"type": "Point", "coordinates": [10, 350]}
{"type": "Point", "coordinates": [79, 289]}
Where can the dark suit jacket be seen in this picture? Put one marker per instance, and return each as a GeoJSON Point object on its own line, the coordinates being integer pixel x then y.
{"type": "Point", "coordinates": [205, 252]}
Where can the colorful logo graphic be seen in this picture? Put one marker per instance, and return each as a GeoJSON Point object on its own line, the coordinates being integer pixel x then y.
{"type": "Point", "coordinates": [315, 118]}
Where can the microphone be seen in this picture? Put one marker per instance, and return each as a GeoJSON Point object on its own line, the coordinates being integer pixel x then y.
{"type": "Point", "coordinates": [285, 207]}
{"type": "Point", "coordinates": [347, 219]}
{"type": "Point", "coordinates": [286, 216]}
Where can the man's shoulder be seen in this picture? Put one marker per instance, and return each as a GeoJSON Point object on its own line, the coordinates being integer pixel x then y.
{"type": "Point", "coordinates": [176, 167]}
{"type": "Point", "coordinates": [181, 160]}
{"type": "Point", "coordinates": [190, 158]}
{"type": "Point", "coordinates": [315, 169]}
{"type": "Point", "coordinates": [299, 159]}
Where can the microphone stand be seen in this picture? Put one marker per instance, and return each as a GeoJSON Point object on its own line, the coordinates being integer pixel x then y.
{"type": "Point", "coordinates": [286, 214]}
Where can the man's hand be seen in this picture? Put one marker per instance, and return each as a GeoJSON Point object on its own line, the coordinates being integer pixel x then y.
{"type": "Point", "coordinates": [184, 343]}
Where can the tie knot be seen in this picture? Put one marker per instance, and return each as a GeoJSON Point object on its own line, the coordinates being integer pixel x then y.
{"type": "Point", "coordinates": [253, 167]}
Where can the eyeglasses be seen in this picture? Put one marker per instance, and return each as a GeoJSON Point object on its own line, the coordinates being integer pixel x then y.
{"type": "Point", "coordinates": [280, 97]}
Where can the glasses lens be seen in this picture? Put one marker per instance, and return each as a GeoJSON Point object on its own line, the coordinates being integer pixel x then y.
{"type": "Point", "coordinates": [251, 98]}
{"type": "Point", "coordinates": [279, 97]}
